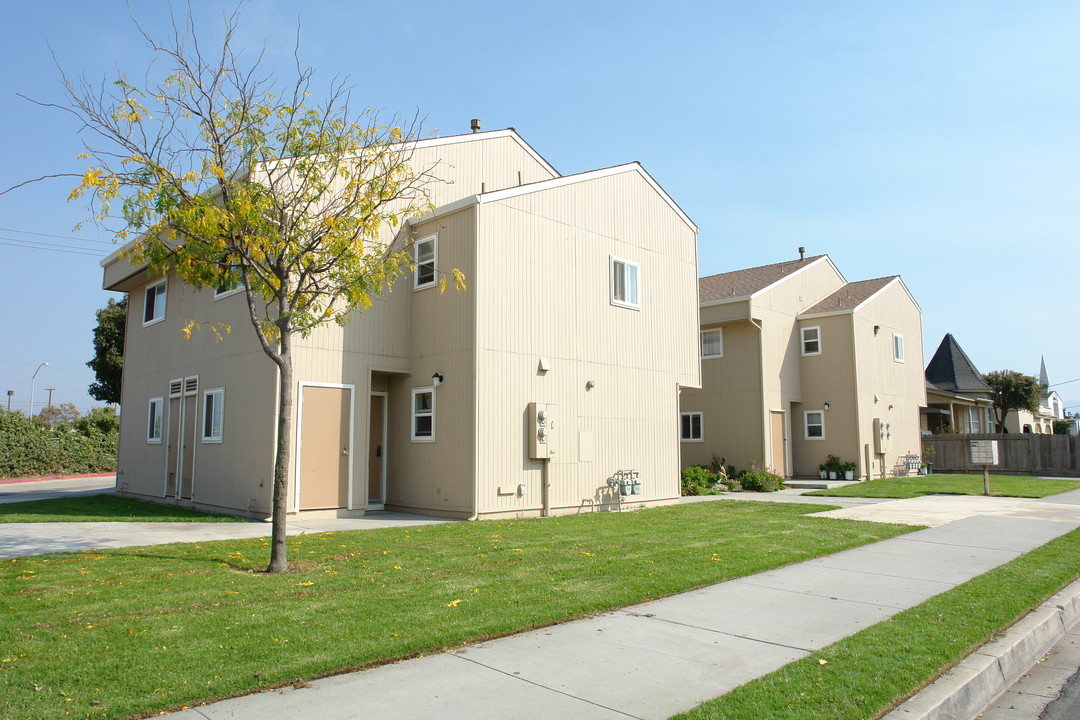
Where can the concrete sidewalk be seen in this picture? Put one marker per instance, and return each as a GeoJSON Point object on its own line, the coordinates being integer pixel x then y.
{"type": "Point", "coordinates": [664, 657]}
{"type": "Point", "coordinates": [22, 539]}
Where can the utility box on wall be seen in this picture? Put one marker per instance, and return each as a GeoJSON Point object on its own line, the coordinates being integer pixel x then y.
{"type": "Point", "coordinates": [542, 438]}
{"type": "Point", "coordinates": [983, 452]}
{"type": "Point", "coordinates": [882, 436]}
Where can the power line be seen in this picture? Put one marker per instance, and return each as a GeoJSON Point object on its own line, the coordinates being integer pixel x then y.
{"type": "Point", "coordinates": [66, 249]}
{"type": "Point", "coordinates": [62, 237]}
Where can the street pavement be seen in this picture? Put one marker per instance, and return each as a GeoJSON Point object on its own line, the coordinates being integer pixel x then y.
{"type": "Point", "coordinates": [41, 489]}
{"type": "Point", "coordinates": [662, 657]}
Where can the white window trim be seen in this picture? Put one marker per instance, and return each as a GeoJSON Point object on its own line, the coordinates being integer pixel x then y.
{"type": "Point", "coordinates": [897, 356]}
{"type": "Point", "coordinates": [218, 294]}
{"type": "Point", "coordinates": [718, 331]}
{"type": "Point", "coordinates": [160, 403]}
{"type": "Point", "coordinates": [802, 341]}
{"type": "Point", "coordinates": [218, 403]}
{"type": "Point", "coordinates": [434, 240]}
{"type": "Point", "coordinates": [701, 426]}
{"type": "Point", "coordinates": [413, 415]}
{"type": "Point", "coordinates": [807, 423]}
{"type": "Point", "coordinates": [611, 282]}
{"type": "Point", "coordinates": [164, 298]}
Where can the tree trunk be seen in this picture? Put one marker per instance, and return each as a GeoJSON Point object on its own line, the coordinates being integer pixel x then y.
{"type": "Point", "coordinates": [278, 560]}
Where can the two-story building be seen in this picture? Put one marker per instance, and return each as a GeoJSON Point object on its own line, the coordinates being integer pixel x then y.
{"type": "Point", "coordinates": [799, 364]}
{"type": "Point", "coordinates": [580, 315]}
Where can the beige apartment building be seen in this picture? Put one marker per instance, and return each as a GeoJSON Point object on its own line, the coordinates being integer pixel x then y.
{"type": "Point", "coordinates": [558, 368]}
{"type": "Point", "coordinates": [798, 364]}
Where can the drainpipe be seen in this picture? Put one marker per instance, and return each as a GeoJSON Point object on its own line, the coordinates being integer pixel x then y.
{"type": "Point", "coordinates": [545, 488]}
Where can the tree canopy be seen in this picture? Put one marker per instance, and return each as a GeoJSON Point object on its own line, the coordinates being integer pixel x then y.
{"type": "Point", "coordinates": [226, 176]}
{"type": "Point", "coordinates": [108, 360]}
{"type": "Point", "coordinates": [1012, 391]}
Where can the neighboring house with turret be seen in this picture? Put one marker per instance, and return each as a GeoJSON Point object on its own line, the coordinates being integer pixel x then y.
{"type": "Point", "coordinates": [798, 364]}
{"type": "Point", "coordinates": [958, 399]}
{"type": "Point", "coordinates": [1051, 408]}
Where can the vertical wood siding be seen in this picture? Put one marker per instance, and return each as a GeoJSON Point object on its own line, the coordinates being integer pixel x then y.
{"type": "Point", "coordinates": [543, 291]}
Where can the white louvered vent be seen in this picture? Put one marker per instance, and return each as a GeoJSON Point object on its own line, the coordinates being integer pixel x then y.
{"type": "Point", "coordinates": [191, 385]}
{"type": "Point", "coordinates": [176, 388]}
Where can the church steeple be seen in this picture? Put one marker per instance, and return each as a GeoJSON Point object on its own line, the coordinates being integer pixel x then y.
{"type": "Point", "coordinates": [1044, 379]}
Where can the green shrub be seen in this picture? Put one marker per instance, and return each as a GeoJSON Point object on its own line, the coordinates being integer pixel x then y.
{"type": "Point", "coordinates": [698, 480]}
{"type": "Point", "coordinates": [30, 447]}
{"type": "Point", "coordinates": [761, 480]}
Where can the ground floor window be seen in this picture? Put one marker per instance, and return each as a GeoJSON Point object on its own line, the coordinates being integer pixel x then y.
{"type": "Point", "coordinates": [213, 412]}
{"type": "Point", "coordinates": [815, 424]}
{"type": "Point", "coordinates": [153, 420]}
{"type": "Point", "coordinates": [423, 414]}
{"type": "Point", "coordinates": [691, 426]}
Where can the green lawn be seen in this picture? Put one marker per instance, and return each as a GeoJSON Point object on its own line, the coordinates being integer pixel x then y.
{"type": "Point", "coordinates": [864, 675]}
{"type": "Point", "coordinates": [116, 633]}
{"type": "Point", "coordinates": [101, 508]}
{"type": "Point", "coordinates": [1003, 485]}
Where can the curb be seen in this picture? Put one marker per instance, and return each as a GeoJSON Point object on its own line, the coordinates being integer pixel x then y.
{"type": "Point", "coordinates": [12, 481]}
{"type": "Point", "coordinates": [984, 675]}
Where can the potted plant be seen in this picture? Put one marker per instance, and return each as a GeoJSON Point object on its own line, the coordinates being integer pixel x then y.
{"type": "Point", "coordinates": [833, 466]}
{"type": "Point", "coordinates": [823, 472]}
{"type": "Point", "coordinates": [849, 470]}
{"type": "Point", "coordinates": [928, 461]}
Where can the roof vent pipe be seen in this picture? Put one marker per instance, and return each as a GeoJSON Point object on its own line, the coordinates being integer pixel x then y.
{"type": "Point", "coordinates": [475, 125]}
{"type": "Point", "coordinates": [802, 250]}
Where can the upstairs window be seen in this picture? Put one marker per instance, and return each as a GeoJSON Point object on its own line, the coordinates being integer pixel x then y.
{"type": "Point", "coordinates": [712, 343]}
{"type": "Point", "coordinates": [213, 410]}
{"type": "Point", "coordinates": [690, 426]}
{"type": "Point", "coordinates": [425, 256]}
{"type": "Point", "coordinates": [811, 340]}
{"type": "Point", "coordinates": [154, 304]}
{"type": "Point", "coordinates": [423, 415]}
{"type": "Point", "coordinates": [898, 347]}
{"type": "Point", "coordinates": [624, 283]}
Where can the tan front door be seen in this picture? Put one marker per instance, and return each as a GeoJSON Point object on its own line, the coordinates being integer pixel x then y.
{"type": "Point", "coordinates": [779, 444]}
{"type": "Point", "coordinates": [377, 451]}
{"type": "Point", "coordinates": [172, 450]}
{"type": "Point", "coordinates": [325, 426]}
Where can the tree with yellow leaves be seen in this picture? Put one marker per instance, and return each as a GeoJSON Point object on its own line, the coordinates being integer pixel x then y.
{"type": "Point", "coordinates": [229, 178]}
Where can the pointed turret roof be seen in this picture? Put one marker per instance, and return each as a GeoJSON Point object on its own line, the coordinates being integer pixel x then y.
{"type": "Point", "coordinates": [952, 370]}
{"type": "Point", "coordinates": [1044, 379]}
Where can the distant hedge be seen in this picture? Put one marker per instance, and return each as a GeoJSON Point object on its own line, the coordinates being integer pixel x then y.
{"type": "Point", "coordinates": [30, 447]}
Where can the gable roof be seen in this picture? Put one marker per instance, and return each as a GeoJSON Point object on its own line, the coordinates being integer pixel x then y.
{"type": "Point", "coordinates": [542, 185]}
{"type": "Point", "coordinates": [952, 370]}
{"type": "Point", "coordinates": [510, 133]}
{"type": "Point", "coordinates": [741, 284]}
{"type": "Point", "coordinates": [849, 296]}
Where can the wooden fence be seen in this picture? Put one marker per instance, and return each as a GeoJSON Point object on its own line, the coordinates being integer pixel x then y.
{"type": "Point", "coordinates": [1018, 454]}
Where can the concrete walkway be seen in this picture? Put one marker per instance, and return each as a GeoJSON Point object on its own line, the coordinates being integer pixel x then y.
{"type": "Point", "coordinates": [22, 539]}
{"type": "Point", "coordinates": [660, 658]}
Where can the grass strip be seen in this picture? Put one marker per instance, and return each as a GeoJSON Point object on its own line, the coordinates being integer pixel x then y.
{"type": "Point", "coordinates": [866, 674]}
{"type": "Point", "coordinates": [102, 508]}
{"type": "Point", "coordinates": [1000, 485]}
{"type": "Point", "coordinates": [124, 632]}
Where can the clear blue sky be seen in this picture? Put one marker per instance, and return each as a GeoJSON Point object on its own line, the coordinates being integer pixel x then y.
{"type": "Point", "coordinates": [938, 140]}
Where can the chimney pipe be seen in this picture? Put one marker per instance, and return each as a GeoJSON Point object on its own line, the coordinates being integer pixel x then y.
{"type": "Point", "coordinates": [475, 125]}
{"type": "Point", "coordinates": [802, 250]}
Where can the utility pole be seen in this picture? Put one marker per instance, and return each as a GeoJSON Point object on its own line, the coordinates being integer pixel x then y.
{"type": "Point", "coordinates": [50, 396]}
{"type": "Point", "coordinates": [9, 394]}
